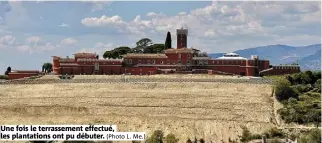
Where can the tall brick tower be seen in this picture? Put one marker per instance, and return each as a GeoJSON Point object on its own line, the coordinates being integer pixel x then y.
{"type": "Point", "coordinates": [182, 38]}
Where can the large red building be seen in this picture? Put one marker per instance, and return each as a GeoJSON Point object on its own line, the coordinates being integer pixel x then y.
{"type": "Point", "coordinates": [179, 60]}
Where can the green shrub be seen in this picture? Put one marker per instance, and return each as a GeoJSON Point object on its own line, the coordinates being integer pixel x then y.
{"type": "Point", "coordinates": [274, 133]}
{"type": "Point", "coordinates": [256, 136]}
{"type": "Point", "coordinates": [317, 85]}
{"type": "Point", "coordinates": [283, 91]}
{"type": "Point", "coordinates": [246, 135]}
{"type": "Point", "coordinates": [4, 77]}
{"type": "Point", "coordinates": [189, 141]}
{"type": "Point", "coordinates": [156, 137]}
{"type": "Point", "coordinates": [302, 88]}
{"type": "Point", "coordinates": [232, 141]}
{"type": "Point", "coordinates": [275, 140]}
{"type": "Point", "coordinates": [313, 136]}
{"type": "Point", "coordinates": [171, 138]}
{"type": "Point", "coordinates": [306, 110]}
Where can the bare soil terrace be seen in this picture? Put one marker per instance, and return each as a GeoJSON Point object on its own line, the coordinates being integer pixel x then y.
{"type": "Point", "coordinates": [213, 111]}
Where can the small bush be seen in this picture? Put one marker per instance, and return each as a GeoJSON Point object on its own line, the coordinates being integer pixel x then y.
{"type": "Point", "coordinates": [317, 85]}
{"type": "Point", "coordinates": [4, 77]}
{"type": "Point", "coordinates": [313, 136]}
{"type": "Point", "coordinates": [274, 133]}
{"type": "Point", "coordinates": [246, 135]}
{"type": "Point", "coordinates": [283, 91]}
{"type": "Point", "coordinates": [171, 138]}
{"type": "Point", "coordinates": [156, 137]}
{"type": "Point", "coordinates": [189, 141]}
{"type": "Point", "coordinates": [302, 88]}
{"type": "Point", "coordinates": [275, 140]}
{"type": "Point", "coordinates": [256, 136]}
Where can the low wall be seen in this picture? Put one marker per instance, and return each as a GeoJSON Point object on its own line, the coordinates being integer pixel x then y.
{"type": "Point", "coordinates": [12, 76]}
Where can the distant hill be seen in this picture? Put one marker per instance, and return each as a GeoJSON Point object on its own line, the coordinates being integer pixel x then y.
{"type": "Point", "coordinates": [283, 54]}
{"type": "Point", "coordinates": [312, 62]}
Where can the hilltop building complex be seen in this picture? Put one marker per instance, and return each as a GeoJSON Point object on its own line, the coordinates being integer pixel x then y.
{"type": "Point", "coordinates": [173, 60]}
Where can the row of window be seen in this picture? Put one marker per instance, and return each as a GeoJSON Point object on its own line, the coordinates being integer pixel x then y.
{"type": "Point", "coordinates": [203, 62]}
{"type": "Point", "coordinates": [161, 62]}
{"type": "Point", "coordinates": [285, 68]}
{"type": "Point", "coordinates": [231, 62]}
{"type": "Point", "coordinates": [179, 55]}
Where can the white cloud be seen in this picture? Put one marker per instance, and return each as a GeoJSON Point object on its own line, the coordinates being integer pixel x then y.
{"type": "Point", "coordinates": [97, 5]}
{"type": "Point", "coordinates": [63, 25]}
{"type": "Point", "coordinates": [153, 14]}
{"type": "Point", "coordinates": [36, 44]}
{"type": "Point", "coordinates": [210, 33]}
{"type": "Point", "coordinates": [37, 48]}
{"type": "Point", "coordinates": [7, 40]}
{"type": "Point", "coordinates": [228, 24]}
{"type": "Point", "coordinates": [102, 21]}
{"type": "Point", "coordinates": [69, 42]}
{"type": "Point", "coordinates": [33, 40]}
{"type": "Point", "coordinates": [182, 13]}
{"type": "Point", "coordinates": [99, 48]}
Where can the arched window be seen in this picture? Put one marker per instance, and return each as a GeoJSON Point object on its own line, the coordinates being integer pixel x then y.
{"type": "Point", "coordinates": [161, 62]}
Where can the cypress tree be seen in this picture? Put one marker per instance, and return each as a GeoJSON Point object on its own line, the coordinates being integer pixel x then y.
{"type": "Point", "coordinates": [168, 44]}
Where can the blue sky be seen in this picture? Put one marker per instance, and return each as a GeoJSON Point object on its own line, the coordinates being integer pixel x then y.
{"type": "Point", "coordinates": [32, 32]}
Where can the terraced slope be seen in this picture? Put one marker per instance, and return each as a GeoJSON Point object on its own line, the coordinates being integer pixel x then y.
{"type": "Point", "coordinates": [213, 111]}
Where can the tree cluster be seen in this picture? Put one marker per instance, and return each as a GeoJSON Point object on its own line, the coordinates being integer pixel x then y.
{"type": "Point", "coordinates": [7, 71]}
{"type": "Point", "coordinates": [47, 67]}
{"type": "Point", "coordinates": [300, 94]}
{"type": "Point", "coordinates": [144, 45]}
{"type": "Point", "coordinates": [117, 53]}
{"type": "Point", "coordinates": [158, 137]}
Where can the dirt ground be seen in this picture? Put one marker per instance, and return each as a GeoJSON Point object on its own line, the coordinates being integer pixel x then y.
{"type": "Point", "coordinates": [212, 111]}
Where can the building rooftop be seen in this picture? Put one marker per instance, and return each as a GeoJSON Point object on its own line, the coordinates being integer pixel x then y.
{"type": "Point", "coordinates": [145, 56]}
{"type": "Point", "coordinates": [231, 56]}
{"type": "Point", "coordinates": [85, 54]}
{"type": "Point", "coordinates": [181, 50]}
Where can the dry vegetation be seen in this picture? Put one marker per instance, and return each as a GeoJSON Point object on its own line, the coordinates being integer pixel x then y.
{"type": "Point", "coordinates": [213, 111]}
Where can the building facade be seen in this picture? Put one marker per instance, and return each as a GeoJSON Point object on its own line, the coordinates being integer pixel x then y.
{"type": "Point", "coordinates": [173, 60]}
